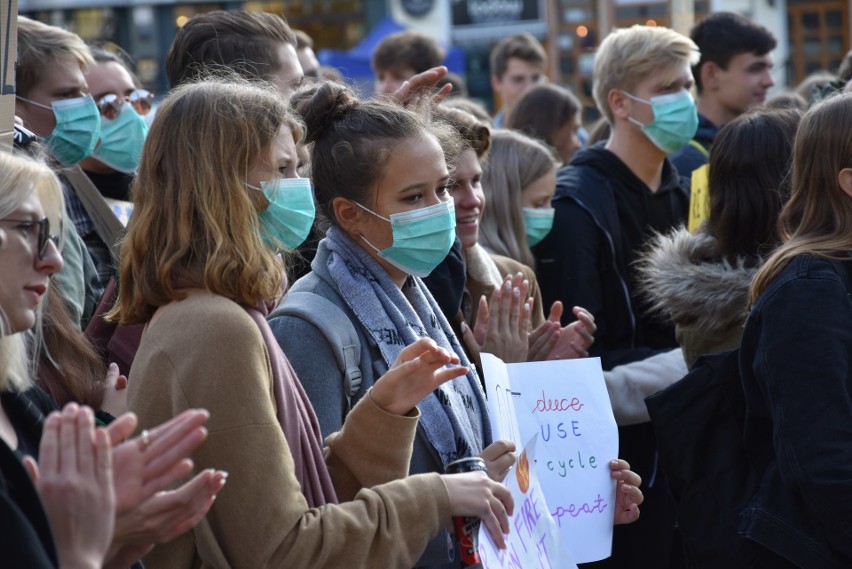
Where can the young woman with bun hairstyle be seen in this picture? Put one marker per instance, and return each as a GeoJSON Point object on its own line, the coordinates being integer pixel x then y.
{"type": "Point", "coordinates": [213, 199]}
{"type": "Point", "coordinates": [380, 173]}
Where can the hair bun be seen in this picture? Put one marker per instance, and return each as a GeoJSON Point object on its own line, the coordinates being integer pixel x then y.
{"type": "Point", "coordinates": [330, 103]}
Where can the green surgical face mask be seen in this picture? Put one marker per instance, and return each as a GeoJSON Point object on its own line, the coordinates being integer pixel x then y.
{"type": "Point", "coordinates": [421, 238]}
{"type": "Point", "coordinates": [675, 120]}
{"type": "Point", "coordinates": [537, 222]}
{"type": "Point", "coordinates": [122, 139]}
{"type": "Point", "coordinates": [78, 127]}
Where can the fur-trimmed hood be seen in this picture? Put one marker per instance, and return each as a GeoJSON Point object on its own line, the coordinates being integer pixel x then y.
{"type": "Point", "coordinates": [683, 277]}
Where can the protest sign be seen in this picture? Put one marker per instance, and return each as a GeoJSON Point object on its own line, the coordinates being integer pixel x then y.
{"type": "Point", "coordinates": [533, 541]}
{"type": "Point", "coordinates": [566, 403]}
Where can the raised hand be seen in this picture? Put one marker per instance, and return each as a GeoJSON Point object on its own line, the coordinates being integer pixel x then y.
{"type": "Point", "coordinates": [157, 458]}
{"type": "Point", "coordinates": [419, 89]}
{"type": "Point", "coordinates": [575, 339]}
{"type": "Point", "coordinates": [75, 482]}
{"type": "Point", "coordinates": [419, 370]}
{"type": "Point", "coordinates": [628, 496]}
{"type": "Point", "coordinates": [502, 325]}
{"type": "Point", "coordinates": [475, 494]}
{"type": "Point", "coordinates": [169, 513]}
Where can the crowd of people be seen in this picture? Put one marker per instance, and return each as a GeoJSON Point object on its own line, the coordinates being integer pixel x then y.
{"type": "Point", "coordinates": [299, 300]}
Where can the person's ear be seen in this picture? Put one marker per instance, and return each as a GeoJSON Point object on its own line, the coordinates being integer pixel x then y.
{"type": "Point", "coordinates": [844, 180]}
{"type": "Point", "coordinates": [348, 215]}
{"type": "Point", "coordinates": [496, 85]}
{"type": "Point", "coordinates": [618, 103]}
{"type": "Point", "coordinates": [709, 73]}
{"type": "Point", "coordinates": [22, 112]}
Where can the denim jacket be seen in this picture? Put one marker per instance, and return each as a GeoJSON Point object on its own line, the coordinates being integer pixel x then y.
{"type": "Point", "coordinates": [796, 368]}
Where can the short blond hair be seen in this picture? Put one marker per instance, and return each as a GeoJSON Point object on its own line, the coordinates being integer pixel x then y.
{"type": "Point", "coordinates": [41, 46]}
{"type": "Point", "coordinates": [629, 55]}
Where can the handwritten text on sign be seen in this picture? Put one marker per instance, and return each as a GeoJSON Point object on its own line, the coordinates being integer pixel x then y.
{"type": "Point", "coordinates": [533, 541]}
{"type": "Point", "coordinates": [566, 404]}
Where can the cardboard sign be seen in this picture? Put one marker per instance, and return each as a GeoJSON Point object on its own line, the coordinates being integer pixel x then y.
{"type": "Point", "coordinates": [566, 404]}
{"type": "Point", "coordinates": [533, 541]}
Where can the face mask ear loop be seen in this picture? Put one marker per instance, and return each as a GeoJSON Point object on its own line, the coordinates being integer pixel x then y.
{"type": "Point", "coordinates": [371, 212]}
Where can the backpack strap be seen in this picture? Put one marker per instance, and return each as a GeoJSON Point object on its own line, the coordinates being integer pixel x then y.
{"type": "Point", "coordinates": [107, 225]}
{"type": "Point", "coordinates": [337, 328]}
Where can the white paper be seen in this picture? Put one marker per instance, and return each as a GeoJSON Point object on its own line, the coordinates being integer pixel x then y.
{"type": "Point", "coordinates": [566, 403]}
{"type": "Point", "coordinates": [533, 541]}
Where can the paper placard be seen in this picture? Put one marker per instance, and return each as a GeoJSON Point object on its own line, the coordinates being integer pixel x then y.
{"type": "Point", "coordinates": [566, 404]}
{"type": "Point", "coordinates": [533, 541]}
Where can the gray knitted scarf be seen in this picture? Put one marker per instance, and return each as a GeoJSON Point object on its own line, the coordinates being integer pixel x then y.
{"type": "Point", "coordinates": [454, 417]}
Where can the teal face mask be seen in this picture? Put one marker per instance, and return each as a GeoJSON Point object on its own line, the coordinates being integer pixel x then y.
{"type": "Point", "coordinates": [421, 238]}
{"type": "Point", "coordinates": [290, 215]}
{"type": "Point", "coordinates": [675, 120]}
{"type": "Point", "coordinates": [122, 140]}
{"type": "Point", "coordinates": [537, 222]}
{"type": "Point", "coordinates": [78, 127]}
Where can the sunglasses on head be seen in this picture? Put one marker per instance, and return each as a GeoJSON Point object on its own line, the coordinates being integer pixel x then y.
{"type": "Point", "coordinates": [43, 234]}
{"type": "Point", "coordinates": [111, 104]}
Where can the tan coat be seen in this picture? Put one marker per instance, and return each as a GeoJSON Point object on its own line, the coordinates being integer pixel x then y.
{"type": "Point", "coordinates": [205, 351]}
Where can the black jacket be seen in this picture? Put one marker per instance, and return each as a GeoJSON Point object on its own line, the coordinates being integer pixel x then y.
{"type": "Point", "coordinates": [26, 539]}
{"type": "Point", "coordinates": [604, 215]}
{"type": "Point", "coordinates": [796, 368]}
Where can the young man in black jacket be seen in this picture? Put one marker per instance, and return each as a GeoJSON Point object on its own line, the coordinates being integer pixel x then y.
{"type": "Point", "coordinates": [608, 200]}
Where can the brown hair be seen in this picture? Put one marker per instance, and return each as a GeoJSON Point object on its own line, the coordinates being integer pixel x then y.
{"type": "Point", "coordinates": [245, 42]}
{"type": "Point", "coordinates": [194, 222]}
{"type": "Point", "coordinates": [543, 110]}
{"type": "Point", "coordinates": [475, 134]}
{"type": "Point", "coordinates": [749, 182]}
{"type": "Point", "coordinates": [41, 46]}
{"type": "Point", "coordinates": [818, 215]}
{"type": "Point", "coordinates": [410, 49]}
{"type": "Point", "coordinates": [69, 368]}
{"type": "Point", "coordinates": [521, 46]}
{"type": "Point", "coordinates": [352, 141]}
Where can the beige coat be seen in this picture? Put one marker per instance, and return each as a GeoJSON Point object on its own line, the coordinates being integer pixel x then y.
{"type": "Point", "coordinates": [206, 351]}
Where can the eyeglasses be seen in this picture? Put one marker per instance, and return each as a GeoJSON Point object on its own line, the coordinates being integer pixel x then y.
{"type": "Point", "coordinates": [111, 104]}
{"type": "Point", "coordinates": [26, 226]}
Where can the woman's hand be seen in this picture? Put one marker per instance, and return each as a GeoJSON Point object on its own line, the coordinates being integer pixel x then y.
{"type": "Point", "coordinates": [576, 338]}
{"type": "Point", "coordinates": [499, 457]}
{"type": "Point", "coordinates": [627, 493]}
{"type": "Point", "coordinates": [419, 89]}
{"type": "Point", "coordinates": [417, 372]}
{"type": "Point", "coordinates": [157, 458]}
{"type": "Point", "coordinates": [169, 513]}
{"type": "Point", "coordinates": [474, 494]}
{"type": "Point", "coordinates": [75, 482]}
{"type": "Point", "coordinates": [502, 326]}
{"type": "Point", "coordinates": [115, 392]}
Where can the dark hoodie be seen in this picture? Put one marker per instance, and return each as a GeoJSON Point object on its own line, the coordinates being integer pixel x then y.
{"type": "Point", "coordinates": [691, 157]}
{"type": "Point", "coordinates": [604, 216]}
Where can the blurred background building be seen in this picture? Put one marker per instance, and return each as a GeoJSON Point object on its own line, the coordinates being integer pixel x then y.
{"type": "Point", "coordinates": [813, 35]}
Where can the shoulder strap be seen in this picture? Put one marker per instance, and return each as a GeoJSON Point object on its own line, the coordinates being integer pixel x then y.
{"type": "Point", "coordinates": [107, 225]}
{"type": "Point", "coordinates": [337, 328]}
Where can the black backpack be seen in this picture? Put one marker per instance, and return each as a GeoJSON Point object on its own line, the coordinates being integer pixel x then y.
{"type": "Point", "coordinates": [698, 423]}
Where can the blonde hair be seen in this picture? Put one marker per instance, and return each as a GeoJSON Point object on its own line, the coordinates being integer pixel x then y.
{"type": "Point", "coordinates": [515, 162]}
{"type": "Point", "coordinates": [629, 55]}
{"type": "Point", "coordinates": [195, 223]}
{"type": "Point", "coordinates": [21, 177]}
{"type": "Point", "coordinates": [40, 47]}
{"type": "Point", "coordinates": [818, 216]}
